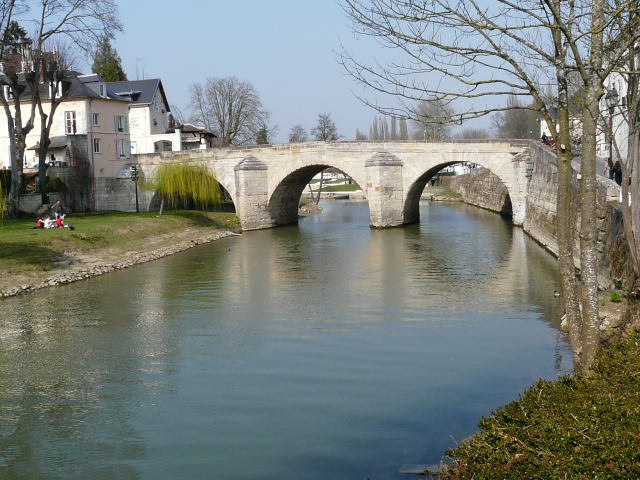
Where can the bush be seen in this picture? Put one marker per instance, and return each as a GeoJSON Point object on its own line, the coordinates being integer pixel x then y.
{"type": "Point", "coordinates": [55, 185]}
{"type": "Point", "coordinates": [615, 297]}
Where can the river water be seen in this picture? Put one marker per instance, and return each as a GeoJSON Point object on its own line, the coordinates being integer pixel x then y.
{"type": "Point", "coordinates": [326, 350]}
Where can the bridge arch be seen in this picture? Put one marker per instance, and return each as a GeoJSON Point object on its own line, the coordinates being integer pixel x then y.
{"type": "Point", "coordinates": [411, 212]}
{"type": "Point", "coordinates": [284, 199]}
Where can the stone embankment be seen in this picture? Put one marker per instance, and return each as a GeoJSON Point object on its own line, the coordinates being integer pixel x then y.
{"type": "Point", "coordinates": [77, 267]}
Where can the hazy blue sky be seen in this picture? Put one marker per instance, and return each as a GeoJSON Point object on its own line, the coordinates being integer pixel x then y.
{"type": "Point", "coordinates": [285, 48]}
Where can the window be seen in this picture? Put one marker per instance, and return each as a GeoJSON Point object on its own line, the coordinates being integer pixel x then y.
{"type": "Point", "coordinates": [103, 90]}
{"type": "Point", "coordinates": [96, 145]}
{"type": "Point", "coordinates": [96, 119]}
{"type": "Point", "coordinates": [120, 123]}
{"type": "Point", "coordinates": [122, 148]}
{"type": "Point", "coordinates": [8, 93]}
{"type": "Point", "coordinates": [70, 122]}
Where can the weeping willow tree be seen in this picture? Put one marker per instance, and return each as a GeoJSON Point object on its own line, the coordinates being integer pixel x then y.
{"type": "Point", "coordinates": [180, 183]}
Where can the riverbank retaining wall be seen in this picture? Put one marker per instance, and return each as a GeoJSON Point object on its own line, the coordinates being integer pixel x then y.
{"type": "Point", "coordinates": [484, 189]}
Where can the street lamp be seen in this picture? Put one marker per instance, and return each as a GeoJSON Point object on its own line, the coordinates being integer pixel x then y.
{"type": "Point", "coordinates": [612, 102]}
{"type": "Point", "coordinates": [133, 169]}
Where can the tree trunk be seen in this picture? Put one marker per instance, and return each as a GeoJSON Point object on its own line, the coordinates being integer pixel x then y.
{"type": "Point", "coordinates": [565, 220]}
{"type": "Point", "coordinates": [590, 325]}
{"type": "Point", "coordinates": [317, 201]}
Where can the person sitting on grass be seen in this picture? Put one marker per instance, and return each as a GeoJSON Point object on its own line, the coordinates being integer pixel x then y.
{"type": "Point", "coordinates": [40, 222]}
{"type": "Point", "coordinates": [49, 222]}
{"type": "Point", "coordinates": [60, 223]}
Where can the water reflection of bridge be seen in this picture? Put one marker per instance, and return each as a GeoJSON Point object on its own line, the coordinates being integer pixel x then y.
{"type": "Point", "coordinates": [265, 183]}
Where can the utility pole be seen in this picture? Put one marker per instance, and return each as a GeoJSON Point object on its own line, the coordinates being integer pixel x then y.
{"type": "Point", "coordinates": [133, 169]}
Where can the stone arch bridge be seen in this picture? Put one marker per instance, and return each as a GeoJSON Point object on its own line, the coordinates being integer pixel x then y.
{"type": "Point", "coordinates": [266, 182]}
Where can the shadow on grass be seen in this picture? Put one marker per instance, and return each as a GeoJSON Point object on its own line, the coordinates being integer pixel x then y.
{"type": "Point", "coordinates": [33, 255]}
{"type": "Point", "coordinates": [208, 219]}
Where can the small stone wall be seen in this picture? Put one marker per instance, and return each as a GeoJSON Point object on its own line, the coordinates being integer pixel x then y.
{"type": "Point", "coordinates": [482, 189]}
{"type": "Point", "coordinates": [119, 194]}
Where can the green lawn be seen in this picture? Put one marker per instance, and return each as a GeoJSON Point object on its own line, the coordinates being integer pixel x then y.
{"type": "Point", "coordinates": [22, 246]}
{"type": "Point", "coordinates": [341, 188]}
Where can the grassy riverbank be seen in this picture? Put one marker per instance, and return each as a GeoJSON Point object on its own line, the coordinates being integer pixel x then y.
{"type": "Point", "coordinates": [29, 256]}
{"type": "Point", "coordinates": [575, 428]}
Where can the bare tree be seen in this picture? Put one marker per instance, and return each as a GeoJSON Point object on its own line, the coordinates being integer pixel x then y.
{"type": "Point", "coordinates": [298, 134]}
{"type": "Point", "coordinates": [361, 137]}
{"type": "Point", "coordinates": [229, 107]}
{"type": "Point", "coordinates": [519, 121]}
{"type": "Point", "coordinates": [473, 53]}
{"type": "Point", "coordinates": [49, 95]}
{"type": "Point", "coordinates": [431, 120]}
{"type": "Point", "coordinates": [325, 129]}
{"type": "Point", "coordinates": [76, 23]}
{"type": "Point", "coordinates": [404, 129]}
{"type": "Point", "coordinates": [473, 134]}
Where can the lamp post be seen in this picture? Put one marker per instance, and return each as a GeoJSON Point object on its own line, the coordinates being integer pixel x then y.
{"type": "Point", "coordinates": [612, 101]}
{"type": "Point", "coordinates": [133, 168]}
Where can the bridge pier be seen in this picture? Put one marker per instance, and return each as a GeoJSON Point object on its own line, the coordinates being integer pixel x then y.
{"type": "Point", "coordinates": [252, 194]}
{"type": "Point", "coordinates": [384, 190]}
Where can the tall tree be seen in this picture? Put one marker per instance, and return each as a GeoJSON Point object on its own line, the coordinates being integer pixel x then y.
{"type": "Point", "coordinates": [53, 68]}
{"type": "Point", "coordinates": [229, 107]}
{"type": "Point", "coordinates": [325, 129]}
{"type": "Point", "coordinates": [394, 129]}
{"type": "Point", "coordinates": [404, 129]}
{"type": "Point", "coordinates": [518, 121]}
{"type": "Point", "coordinates": [14, 49]}
{"type": "Point", "coordinates": [360, 137]}
{"type": "Point", "coordinates": [262, 137]}
{"type": "Point", "coordinates": [473, 134]}
{"type": "Point", "coordinates": [298, 134]}
{"type": "Point", "coordinates": [474, 52]}
{"type": "Point", "coordinates": [107, 63]}
{"type": "Point", "coordinates": [431, 120]}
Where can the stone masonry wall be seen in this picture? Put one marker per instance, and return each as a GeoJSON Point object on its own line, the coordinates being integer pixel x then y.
{"type": "Point", "coordinates": [541, 211]}
{"type": "Point", "coordinates": [482, 189]}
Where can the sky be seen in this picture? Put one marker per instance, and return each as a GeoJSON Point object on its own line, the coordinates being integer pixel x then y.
{"type": "Point", "coordinates": [287, 49]}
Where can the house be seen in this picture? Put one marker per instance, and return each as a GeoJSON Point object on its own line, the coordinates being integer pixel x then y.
{"type": "Point", "coordinates": [194, 138]}
{"type": "Point", "coordinates": [89, 133]}
{"type": "Point", "coordinates": [613, 106]}
{"type": "Point", "coordinates": [150, 119]}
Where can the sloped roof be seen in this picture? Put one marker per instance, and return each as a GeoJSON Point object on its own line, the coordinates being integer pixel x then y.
{"type": "Point", "coordinates": [56, 142]}
{"type": "Point", "coordinates": [76, 86]}
{"type": "Point", "coordinates": [138, 92]}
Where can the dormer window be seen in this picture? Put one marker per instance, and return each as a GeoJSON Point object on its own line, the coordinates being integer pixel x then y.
{"type": "Point", "coordinates": [103, 90]}
{"type": "Point", "coordinates": [56, 88]}
{"type": "Point", "coordinates": [8, 93]}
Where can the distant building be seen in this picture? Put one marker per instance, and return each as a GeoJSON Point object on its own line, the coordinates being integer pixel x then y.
{"type": "Point", "coordinates": [194, 138]}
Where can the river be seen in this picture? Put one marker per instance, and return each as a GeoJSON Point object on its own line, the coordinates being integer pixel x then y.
{"type": "Point", "coordinates": [326, 350]}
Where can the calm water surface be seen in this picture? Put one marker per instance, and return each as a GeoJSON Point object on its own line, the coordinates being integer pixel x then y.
{"type": "Point", "coordinates": [323, 351]}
